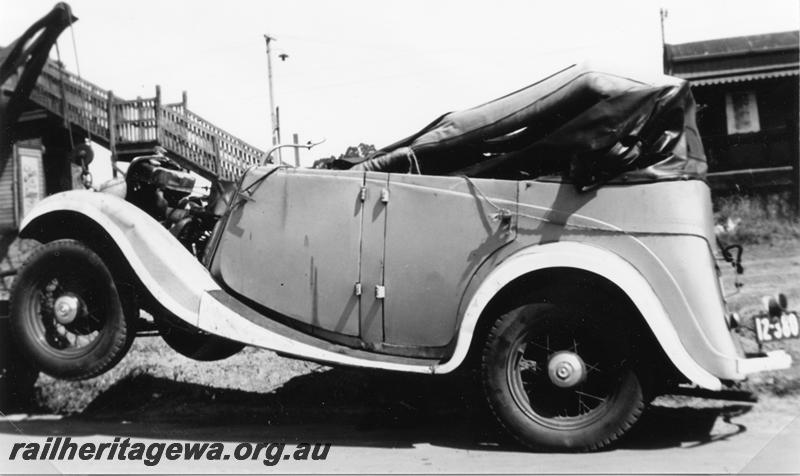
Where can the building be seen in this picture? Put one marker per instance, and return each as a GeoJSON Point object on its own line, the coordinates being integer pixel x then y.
{"type": "Point", "coordinates": [746, 88]}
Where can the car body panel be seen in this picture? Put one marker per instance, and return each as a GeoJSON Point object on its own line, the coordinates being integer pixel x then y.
{"type": "Point", "coordinates": [669, 249]}
{"type": "Point", "coordinates": [373, 238]}
{"type": "Point", "coordinates": [272, 232]}
{"type": "Point", "coordinates": [372, 258]}
{"type": "Point", "coordinates": [665, 230]}
{"type": "Point", "coordinates": [595, 260]}
{"type": "Point", "coordinates": [655, 265]}
{"type": "Point", "coordinates": [438, 232]}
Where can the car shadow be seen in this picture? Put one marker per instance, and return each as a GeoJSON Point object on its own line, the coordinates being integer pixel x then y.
{"type": "Point", "coordinates": [668, 426]}
{"type": "Point", "coordinates": [343, 406]}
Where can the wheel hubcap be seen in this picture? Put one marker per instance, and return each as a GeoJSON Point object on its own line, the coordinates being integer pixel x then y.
{"type": "Point", "coordinates": [66, 308]}
{"type": "Point", "coordinates": [566, 369]}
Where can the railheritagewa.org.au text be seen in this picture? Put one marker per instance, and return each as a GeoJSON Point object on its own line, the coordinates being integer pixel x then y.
{"type": "Point", "coordinates": [151, 453]}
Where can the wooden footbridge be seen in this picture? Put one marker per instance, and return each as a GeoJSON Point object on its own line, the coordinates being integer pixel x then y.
{"type": "Point", "coordinates": [135, 127]}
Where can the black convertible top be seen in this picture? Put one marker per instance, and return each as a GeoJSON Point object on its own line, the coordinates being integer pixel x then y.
{"type": "Point", "coordinates": [584, 125]}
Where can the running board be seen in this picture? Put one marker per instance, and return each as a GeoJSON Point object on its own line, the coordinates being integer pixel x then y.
{"type": "Point", "coordinates": [224, 315]}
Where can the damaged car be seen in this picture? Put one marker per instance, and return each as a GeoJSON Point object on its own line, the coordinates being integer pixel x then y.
{"type": "Point", "coordinates": [558, 241]}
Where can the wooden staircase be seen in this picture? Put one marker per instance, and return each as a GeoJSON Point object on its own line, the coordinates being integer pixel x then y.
{"type": "Point", "coordinates": [135, 127]}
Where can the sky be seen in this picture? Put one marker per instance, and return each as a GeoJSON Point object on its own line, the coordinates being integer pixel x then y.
{"type": "Point", "coordinates": [367, 71]}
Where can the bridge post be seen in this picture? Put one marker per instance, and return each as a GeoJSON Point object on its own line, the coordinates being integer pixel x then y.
{"type": "Point", "coordinates": [156, 108]}
{"type": "Point", "coordinates": [217, 158]}
{"type": "Point", "coordinates": [63, 90]}
{"type": "Point", "coordinates": [111, 116]}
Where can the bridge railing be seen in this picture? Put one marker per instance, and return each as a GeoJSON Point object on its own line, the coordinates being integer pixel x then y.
{"type": "Point", "coordinates": [76, 100]}
{"type": "Point", "coordinates": [114, 121]}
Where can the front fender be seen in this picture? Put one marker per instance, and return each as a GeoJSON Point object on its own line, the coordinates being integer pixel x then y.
{"type": "Point", "coordinates": [595, 260]}
{"type": "Point", "coordinates": [165, 268]}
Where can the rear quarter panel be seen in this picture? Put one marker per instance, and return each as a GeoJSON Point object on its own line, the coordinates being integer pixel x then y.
{"type": "Point", "coordinates": [663, 229]}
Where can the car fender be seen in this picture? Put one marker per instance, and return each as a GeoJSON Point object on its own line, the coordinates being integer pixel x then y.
{"type": "Point", "coordinates": [595, 260]}
{"type": "Point", "coordinates": [166, 269]}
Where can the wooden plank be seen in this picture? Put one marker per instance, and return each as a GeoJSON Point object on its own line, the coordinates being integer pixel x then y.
{"type": "Point", "coordinates": [156, 107]}
{"type": "Point", "coordinates": [217, 156]}
{"type": "Point", "coordinates": [112, 131]}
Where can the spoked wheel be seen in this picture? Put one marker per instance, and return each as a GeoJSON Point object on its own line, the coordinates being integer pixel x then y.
{"type": "Point", "coordinates": [557, 380]}
{"type": "Point", "coordinates": [66, 313]}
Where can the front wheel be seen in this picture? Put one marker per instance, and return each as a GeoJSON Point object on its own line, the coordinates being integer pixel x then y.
{"type": "Point", "coordinates": [557, 379]}
{"type": "Point", "coordinates": [66, 313]}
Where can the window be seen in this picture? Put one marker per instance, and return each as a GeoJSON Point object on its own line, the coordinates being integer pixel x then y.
{"type": "Point", "coordinates": [741, 110]}
{"type": "Point", "coordinates": [30, 178]}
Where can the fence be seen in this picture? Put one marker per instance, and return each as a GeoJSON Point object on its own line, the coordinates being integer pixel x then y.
{"type": "Point", "coordinates": [116, 123]}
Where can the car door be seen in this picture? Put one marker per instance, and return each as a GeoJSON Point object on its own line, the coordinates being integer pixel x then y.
{"type": "Point", "coordinates": [294, 246]}
{"type": "Point", "coordinates": [438, 230]}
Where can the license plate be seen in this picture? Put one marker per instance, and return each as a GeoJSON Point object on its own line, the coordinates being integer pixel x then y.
{"type": "Point", "coordinates": [774, 328]}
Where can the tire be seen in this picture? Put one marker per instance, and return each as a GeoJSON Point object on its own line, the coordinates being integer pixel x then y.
{"type": "Point", "coordinates": [545, 397]}
{"type": "Point", "coordinates": [199, 345]}
{"type": "Point", "coordinates": [91, 333]}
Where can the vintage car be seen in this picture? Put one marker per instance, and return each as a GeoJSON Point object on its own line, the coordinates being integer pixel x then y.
{"type": "Point", "coordinates": [558, 240]}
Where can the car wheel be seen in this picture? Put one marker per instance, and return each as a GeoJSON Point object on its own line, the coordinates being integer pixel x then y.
{"type": "Point", "coordinates": [66, 313]}
{"type": "Point", "coordinates": [556, 379]}
{"type": "Point", "coordinates": [198, 345]}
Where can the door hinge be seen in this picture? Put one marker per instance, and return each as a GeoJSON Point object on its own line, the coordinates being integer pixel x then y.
{"type": "Point", "coordinates": [358, 289]}
{"type": "Point", "coordinates": [380, 292]}
{"type": "Point", "coordinates": [363, 193]}
{"type": "Point", "coordinates": [385, 195]}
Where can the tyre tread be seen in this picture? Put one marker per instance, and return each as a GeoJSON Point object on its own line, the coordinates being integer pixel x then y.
{"type": "Point", "coordinates": [492, 335]}
{"type": "Point", "coordinates": [125, 333]}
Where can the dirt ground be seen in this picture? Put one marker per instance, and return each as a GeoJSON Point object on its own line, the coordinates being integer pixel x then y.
{"type": "Point", "coordinates": [768, 268]}
{"type": "Point", "coordinates": [153, 383]}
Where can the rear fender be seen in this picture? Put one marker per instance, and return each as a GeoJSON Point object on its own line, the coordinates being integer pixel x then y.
{"type": "Point", "coordinates": [595, 260]}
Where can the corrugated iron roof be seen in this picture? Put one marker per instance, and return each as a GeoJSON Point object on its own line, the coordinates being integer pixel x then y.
{"type": "Point", "coordinates": [738, 45]}
{"type": "Point", "coordinates": [742, 77]}
{"type": "Point", "coordinates": [740, 58]}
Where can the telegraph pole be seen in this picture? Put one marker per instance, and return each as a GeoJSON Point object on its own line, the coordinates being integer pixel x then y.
{"type": "Point", "coordinates": [275, 126]}
{"type": "Point", "coordinates": [667, 67]}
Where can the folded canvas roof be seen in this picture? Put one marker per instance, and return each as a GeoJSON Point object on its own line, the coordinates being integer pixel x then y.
{"type": "Point", "coordinates": [581, 124]}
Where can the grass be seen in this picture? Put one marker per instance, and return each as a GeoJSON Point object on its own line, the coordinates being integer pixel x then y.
{"type": "Point", "coordinates": [751, 219]}
{"type": "Point", "coordinates": [251, 370]}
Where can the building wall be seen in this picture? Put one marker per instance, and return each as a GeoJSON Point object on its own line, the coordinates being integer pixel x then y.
{"type": "Point", "coordinates": [53, 174]}
{"type": "Point", "coordinates": [774, 145]}
{"type": "Point", "coordinates": [7, 197]}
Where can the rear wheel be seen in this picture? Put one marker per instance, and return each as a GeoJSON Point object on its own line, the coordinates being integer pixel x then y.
{"type": "Point", "coordinates": [66, 313]}
{"type": "Point", "coordinates": [556, 379]}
